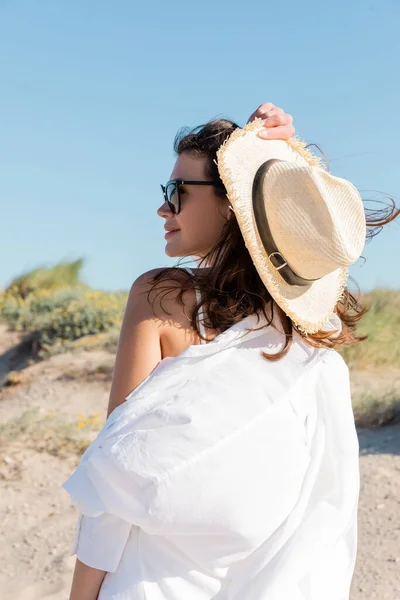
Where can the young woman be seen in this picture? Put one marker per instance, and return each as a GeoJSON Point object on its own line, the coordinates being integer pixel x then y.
{"type": "Point", "coordinates": [146, 338]}
{"type": "Point", "coordinates": [228, 465]}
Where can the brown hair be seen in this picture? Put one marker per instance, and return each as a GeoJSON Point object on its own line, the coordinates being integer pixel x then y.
{"type": "Point", "coordinates": [232, 289]}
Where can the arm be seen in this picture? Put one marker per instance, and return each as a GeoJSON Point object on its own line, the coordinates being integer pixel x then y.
{"type": "Point", "coordinates": [138, 354]}
{"type": "Point", "coordinates": [139, 349]}
{"type": "Point", "coordinates": [86, 582]}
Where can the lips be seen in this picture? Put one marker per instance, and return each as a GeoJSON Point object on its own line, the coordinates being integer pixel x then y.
{"type": "Point", "coordinates": [171, 232]}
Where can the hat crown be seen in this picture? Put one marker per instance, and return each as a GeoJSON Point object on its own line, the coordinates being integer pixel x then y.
{"type": "Point", "coordinates": [318, 224]}
{"type": "Point", "coordinates": [313, 220]}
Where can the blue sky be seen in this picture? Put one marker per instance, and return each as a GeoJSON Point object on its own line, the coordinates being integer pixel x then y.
{"type": "Point", "coordinates": [93, 93]}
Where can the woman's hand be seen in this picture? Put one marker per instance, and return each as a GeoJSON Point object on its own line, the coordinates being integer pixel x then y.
{"type": "Point", "coordinates": [277, 124]}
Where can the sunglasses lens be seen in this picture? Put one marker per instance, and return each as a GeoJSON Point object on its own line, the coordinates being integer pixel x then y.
{"type": "Point", "coordinates": [172, 197]}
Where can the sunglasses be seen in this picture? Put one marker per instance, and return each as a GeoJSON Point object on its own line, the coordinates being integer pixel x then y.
{"type": "Point", "coordinates": [172, 191]}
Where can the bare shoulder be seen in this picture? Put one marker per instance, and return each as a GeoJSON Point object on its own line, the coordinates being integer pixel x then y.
{"type": "Point", "coordinates": [150, 329]}
{"type": "Point", "coordinates": [174, 276]}
{"type": "Point", "coordinates": [160, 298]}
{"type": "Point", "coordinates": [171, 315]}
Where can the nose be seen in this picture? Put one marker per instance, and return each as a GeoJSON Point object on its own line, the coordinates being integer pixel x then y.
{"type": "Point", "coordinates": [165, 211]}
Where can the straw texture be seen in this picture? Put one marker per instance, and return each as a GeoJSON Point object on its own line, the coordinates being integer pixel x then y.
{"type": "Point", "coordinates": [310, 307]}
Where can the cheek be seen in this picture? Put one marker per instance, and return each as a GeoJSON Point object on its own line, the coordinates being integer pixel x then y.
{"type": "Point", "coordinates": [203, 220]}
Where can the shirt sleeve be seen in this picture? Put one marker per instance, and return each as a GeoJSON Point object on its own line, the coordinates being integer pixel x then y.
{"type": "Point", "coordinates": [100, 541]}
{"type": "Point", "coordinates": [110, 501]}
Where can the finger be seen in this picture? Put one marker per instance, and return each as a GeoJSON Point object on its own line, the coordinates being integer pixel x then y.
{"type": "Point", "coordinates": [277, 120]}
{"type": "Point", "coordinates": [274, 111]}
{"type": "Point", "coordinates": [283, 132]}
{"type": "Point", "coordinates": [263, 109]}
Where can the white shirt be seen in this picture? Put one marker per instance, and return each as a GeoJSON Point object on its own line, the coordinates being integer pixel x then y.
{"type": "Point", "coordinates": [226, 476]}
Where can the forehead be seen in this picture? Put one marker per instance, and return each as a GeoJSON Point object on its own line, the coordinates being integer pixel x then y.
{"type": "Point", "coordinates": [188, 166]}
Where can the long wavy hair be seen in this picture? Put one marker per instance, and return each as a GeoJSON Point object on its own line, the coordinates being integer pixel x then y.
{"type": "Point", "coordinates": [232, 289]}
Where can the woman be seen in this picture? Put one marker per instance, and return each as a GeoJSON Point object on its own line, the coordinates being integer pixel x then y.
{"type": "Point", "coordinates": [231, 469]}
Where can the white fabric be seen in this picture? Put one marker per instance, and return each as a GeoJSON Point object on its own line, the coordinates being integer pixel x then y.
{"type": "Point", "coordinates": [225, 476]}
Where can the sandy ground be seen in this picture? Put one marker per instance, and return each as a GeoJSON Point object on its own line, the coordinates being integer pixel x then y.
{"type": "Point", "coordinates": [37, 520]}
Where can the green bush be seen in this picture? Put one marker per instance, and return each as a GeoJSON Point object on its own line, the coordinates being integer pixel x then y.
{"type": "Point", "coordinates": [64, 274]}
{"type": "Point", "coordinates": [59, 317]}
{"type": "Point", "coordinates": [382, 325]}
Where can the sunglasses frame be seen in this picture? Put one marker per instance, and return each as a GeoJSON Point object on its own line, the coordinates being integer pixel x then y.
{"type": "Point", "coordinates": [179, 182]}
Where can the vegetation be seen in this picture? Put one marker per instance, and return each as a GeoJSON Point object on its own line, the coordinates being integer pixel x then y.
{"type": "Point", "coordinates": [57, 312]}
{"type": "Point", "coordinates": [382, 325]}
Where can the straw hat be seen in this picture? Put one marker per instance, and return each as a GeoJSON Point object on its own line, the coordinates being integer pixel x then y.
{"type": "Point", "coordinates": [302, 226]}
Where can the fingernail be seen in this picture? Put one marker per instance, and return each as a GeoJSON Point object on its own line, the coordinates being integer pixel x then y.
{"type": "Point", "coordinates": [263, 133]}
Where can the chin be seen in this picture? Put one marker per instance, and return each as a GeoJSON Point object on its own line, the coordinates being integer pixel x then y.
{"type": "Point", "coordinates": [178, 251]}
{"type": "Point", "coordinates": [172, 251]}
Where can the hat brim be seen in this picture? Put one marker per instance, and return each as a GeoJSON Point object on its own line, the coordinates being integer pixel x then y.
{"type": "Point", "coordinates": [238, 158]}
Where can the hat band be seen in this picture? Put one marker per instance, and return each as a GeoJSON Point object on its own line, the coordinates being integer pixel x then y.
{"type": "Point", "coordinates": [260, 215]}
